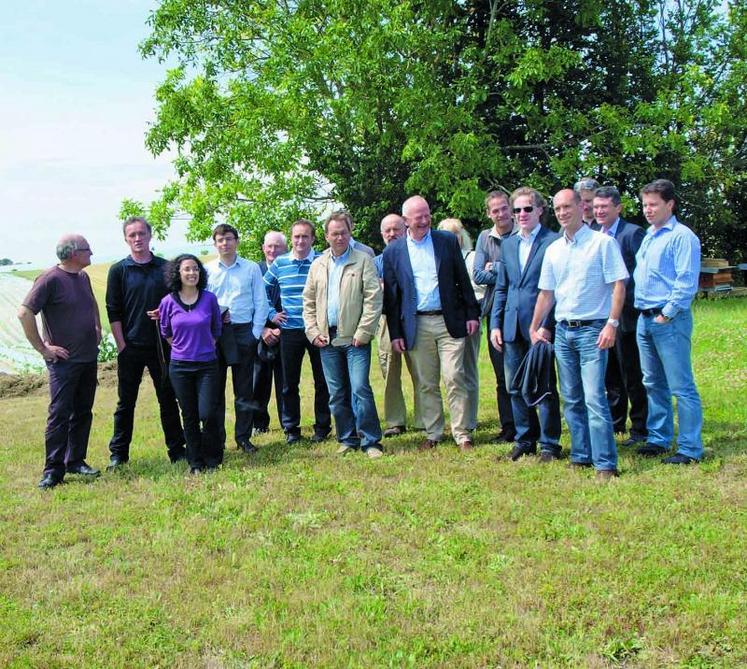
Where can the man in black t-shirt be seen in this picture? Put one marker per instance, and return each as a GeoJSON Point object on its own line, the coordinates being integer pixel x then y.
{"type": "Point", "coordinates": [134, 289]}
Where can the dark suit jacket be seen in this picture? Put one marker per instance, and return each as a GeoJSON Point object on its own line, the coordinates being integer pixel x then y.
{"type": "Point", "coordinates": [400, 298]}
{"type": "Point", "coordinates": [629, 236]}
{"type": "Point", "coordinates": [516, 291]}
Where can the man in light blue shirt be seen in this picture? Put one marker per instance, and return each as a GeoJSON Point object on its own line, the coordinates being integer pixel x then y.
{"type": "Point", "coordinates": [666, 280]}
{"type": "Point", "coordinates": [583, 272]}
{"type": "Point", "coordinates": [238, 285]}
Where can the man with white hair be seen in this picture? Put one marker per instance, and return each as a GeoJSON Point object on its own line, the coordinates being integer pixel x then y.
{"type": "Point", "coordinates": [69, 346]}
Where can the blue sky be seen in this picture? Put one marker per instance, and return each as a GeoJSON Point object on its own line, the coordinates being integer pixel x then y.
{"type": "Point", "coordinates": [76, 102]}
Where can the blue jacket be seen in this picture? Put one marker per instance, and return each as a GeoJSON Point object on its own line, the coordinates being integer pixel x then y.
{"type": "Point", "coordinates": [516, 291]}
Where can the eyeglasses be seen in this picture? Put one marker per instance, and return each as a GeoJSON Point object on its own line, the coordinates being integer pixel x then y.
{"type": "Point", "coordinates": [527, 210]}
{"type": "Point", "coordinates": [85, 250]}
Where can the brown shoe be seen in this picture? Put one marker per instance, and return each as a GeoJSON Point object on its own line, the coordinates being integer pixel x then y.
{"type": "Point", "coordinates": [428, 445]}
{"type": "Point", "coordinates": [467, 445]}
{"type": "Point", "coordinates": [606, 474]}
{"type": "Point", "coordinates": [394, 431]}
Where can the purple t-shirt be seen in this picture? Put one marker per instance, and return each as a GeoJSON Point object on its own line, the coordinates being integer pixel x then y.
{"type": "Point", "coordinates": [193, 327]}
{"type": "Point", "coordinates": [68, 310]}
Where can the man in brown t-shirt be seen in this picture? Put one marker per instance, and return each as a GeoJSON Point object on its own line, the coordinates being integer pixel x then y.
{"type": "Point", "coordinates": [72, 332]}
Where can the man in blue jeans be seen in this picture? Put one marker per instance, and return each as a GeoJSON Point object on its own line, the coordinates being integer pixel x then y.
{"type": "Point", "coordinates": [584, 274]}
{"type": "Point", "coordinates": [342, 303]}
{"type": "Point", "coordinates": [666, 275]}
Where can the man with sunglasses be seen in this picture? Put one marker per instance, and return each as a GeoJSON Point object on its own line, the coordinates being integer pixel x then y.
{"type": "Point", "coordinates": [485, 271]}
{"type": "Point", "coordinates": [513, 308]}
{"type": "Point", "coordinates": [583, 274]}
{"type": "Point", "coordinates": [70, 347]}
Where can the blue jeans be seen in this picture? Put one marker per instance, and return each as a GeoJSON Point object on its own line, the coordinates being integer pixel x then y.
{"type": "Point", "coordinates": [582, 368]}
{"type": "Point", "coordinates": [351, 399]}
{"type": "Point", "coordinates": [532, 423]}
{"type": "Point", "coordinates": [667, 371]}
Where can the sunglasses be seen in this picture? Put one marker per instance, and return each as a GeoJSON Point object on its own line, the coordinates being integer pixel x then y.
{"type": "Point", "coordinates": [527, 210]}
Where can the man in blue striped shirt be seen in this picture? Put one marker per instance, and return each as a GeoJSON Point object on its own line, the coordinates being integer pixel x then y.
{"type": "Point", "coordinates": [289, 273]}
{"type": "Point", "coordinates": [666, 280]}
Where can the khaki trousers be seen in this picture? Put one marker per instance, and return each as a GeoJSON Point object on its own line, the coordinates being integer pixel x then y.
{"type": "Point", "coordinates": [472, 376]}
{"type": "Point", "coordinates": [395, 411]}
{"type": "Point", "coordinates": [438, 355]}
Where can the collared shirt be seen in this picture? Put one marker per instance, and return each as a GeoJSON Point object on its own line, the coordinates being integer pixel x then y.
{"type": "Point", "coordinates": [581, 272]}
{"type": "Point", "coordinates": [525, 245]}
{"type": "Point", "coordinates": [379, 262]}
{"type": "Point", "coordinates": [289, 274]}
{"type": "Point", "coordinates": [333, 285]}
{"type": "Point", "coordinates": [667, 268]}
{"type": "Point", "coordinates": [612, 229]}
{"type": "Point", "coordinates": [240, 288]}
{"type": "Point", "coordinates": [423, 261]}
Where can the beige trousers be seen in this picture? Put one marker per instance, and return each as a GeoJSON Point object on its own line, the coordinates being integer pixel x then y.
{"type": "Point", "coordinates": [438, 355]}
{"type": "Point", "coordinates": [395, 411]}
{"type": "Point", "coordinates": [472, 376]}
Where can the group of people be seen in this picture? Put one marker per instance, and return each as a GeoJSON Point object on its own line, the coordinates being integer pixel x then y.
{"type": "Point", "coordinates": [604, 302]}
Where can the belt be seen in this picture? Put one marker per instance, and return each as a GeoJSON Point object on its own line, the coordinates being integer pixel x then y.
{"type": "Point", "coordinates": [580, 324]}
{"type": "Point", "coordinates": [435, 312]}
{"type": "Point", "coordinates": [651, 312]}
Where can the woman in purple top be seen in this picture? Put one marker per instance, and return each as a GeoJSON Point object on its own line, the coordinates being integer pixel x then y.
{"type": "Point", "coordinates": [190, 320]}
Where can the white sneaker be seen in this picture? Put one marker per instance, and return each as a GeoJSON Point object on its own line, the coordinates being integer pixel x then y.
{"type": "Point", "coordinates": [345, 449]}
{"type": "Point", "coordinates": [374, 452]}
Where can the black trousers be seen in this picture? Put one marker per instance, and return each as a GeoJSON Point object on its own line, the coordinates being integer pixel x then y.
{"type": "Point", "coordinates": [196, 388]}
{"type": "Point", "coordinates": [293, 344]}
{"type": "Point", "coordinates": [242, 376]}
{"type": "Point", "coordinates": [624, 382]}
{"type": "Point", "coordinates": [131, 363]}
{"type": "Point", "coordinates": [264, 373]}
{"type": "Point", "coordinates": [503, 397]}
{"type": "Point", "coordinates": [72, 388]}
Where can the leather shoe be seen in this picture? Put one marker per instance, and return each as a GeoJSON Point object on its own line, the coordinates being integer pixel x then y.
{"type": "Point", "coordinates": [427, 445]}
{"type": "Point", "coordinates": [548, 456]}
{"type": "Point", "coordinates": [49, 481]}
{"type": "Point", "coordinates": [247, 446]}
{"type": "Point", "coordinates": [506, 435]}
{"type": "Point", "coordinates": [580, 465]}
{"type": "Point", "coordinates": [344, 449]}
{"type": "Point", "coordinates": [520, 450]}
{"type": "Point", "coordinates": [260, 430]}
{"type": "Point", "coordinates": [116, 461]}
{"type": "Point", "coordinates": [179, 457]}
{"type": "Point", "coordinates": [319, 437]}
{"type": "Point", "coordinates": [467, 445]}
{"type": "Point", "coordinates": [394, 431]}
{"type": "Point", "coordinates": [633, 441]}
{"type": "Point", "coordinates": [679, 459]}
{"type": "Point", "coordinates": [651, 450]}
{"type": "Point", "coordinates": [606, 474]}
{"type": "Point", "coordinates": [292, 437]}
{"type": "Point", "coordinates": [84, 469]}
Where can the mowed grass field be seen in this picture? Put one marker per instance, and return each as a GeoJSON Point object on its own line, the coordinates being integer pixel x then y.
{"type": "Point", "coordinates": [299, 558]}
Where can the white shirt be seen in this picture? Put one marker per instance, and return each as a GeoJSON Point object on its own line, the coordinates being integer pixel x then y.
{"type": "Point", "coordinates": [423, 262]}
{"type": "Point", "coordinates": [525, 245]}
{"type": "Point", "coordinates": [581, 272]}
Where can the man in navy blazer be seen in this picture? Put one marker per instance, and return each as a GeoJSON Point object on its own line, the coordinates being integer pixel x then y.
{"type": "Point", "coordinates": [430, 308]}
{"type": "Point", "coordinates": [513, 308]}
{"type": "Point", "coordinates": [624, 379]}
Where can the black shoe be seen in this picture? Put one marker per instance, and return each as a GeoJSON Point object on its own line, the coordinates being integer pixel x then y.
{"type": "Point", "coordinates": [115, 461]}
{"type": "Point", "coordinates": [506, 434]}
{"type": "Point", "coordinates": [549, 456]}
{"type": "Point", "coordinates": [292, 437]}
{"type": "Point", "coordinates": [679, 459]}
{"type": "Point", "coordinates": [247, 446]}
{"type": "Point", "coordinates": [49, 481]}
{"type": "Point", "coordinates": [260, 430]}
{"type": "Point", "coordinates": [580, 465]}
{"type": "Point", "coordinates": [651, 451]}
{"type": "Point", "coordinates": [319, 437]}
{"type": "Point", "coordinates": [521, 450]}
{"type": "Point", "coordinates": [84, 469]}
{"type": "Point", "coordinates": [195, 470]}
{"type": "Point", "coordinates": [179, 457]}
{"type": "Point", "coordinates": [633, 441]}
{"type": "Point", "coordinates": [394, 431]}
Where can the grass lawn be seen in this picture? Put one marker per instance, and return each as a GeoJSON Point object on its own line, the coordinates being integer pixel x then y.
{"type": "Point", "coordinates": [298, 558]}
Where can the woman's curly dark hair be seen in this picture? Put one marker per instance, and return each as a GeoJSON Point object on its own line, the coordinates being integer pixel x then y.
{"type": "Point", "coordinates": [171, 273]}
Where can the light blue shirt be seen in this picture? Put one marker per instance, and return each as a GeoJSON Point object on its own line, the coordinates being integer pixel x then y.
{"type": "Point", "coordinates": [582, 272]}
{"type": "Point", "coordinates": [423, 261]}
{"type": "Point", "coordinates": [333, 286]}
{"type": "Point", "coordinates": [525, 245]}
{"type": "Point", "coordinates": [240, 288]}
{"type": "Point", "coordinates": [667, 268]}
{"type": "Point", "coordinates": [613, 229]}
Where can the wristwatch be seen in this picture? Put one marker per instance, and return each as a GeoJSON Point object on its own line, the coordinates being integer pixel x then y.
{"type": "Point", "coordinates": [613, 322]}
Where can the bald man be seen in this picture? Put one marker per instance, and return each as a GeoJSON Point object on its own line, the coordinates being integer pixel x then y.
{"type": "Point", "coordinates": [69, 346]}
{"type": "Point", "coordinates": [395, 412]}
{"type": "Point", "coordinates": [431, 308]}
{"type": "Point", "coordinates": [583, 274]}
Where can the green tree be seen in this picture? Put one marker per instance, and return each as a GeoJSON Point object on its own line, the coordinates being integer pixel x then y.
{"type": "Point", "coordinates": [282, 109]}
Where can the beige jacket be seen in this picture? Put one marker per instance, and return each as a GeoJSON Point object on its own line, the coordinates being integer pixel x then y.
{"type": "Point", "coordinates": [361, 299]}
